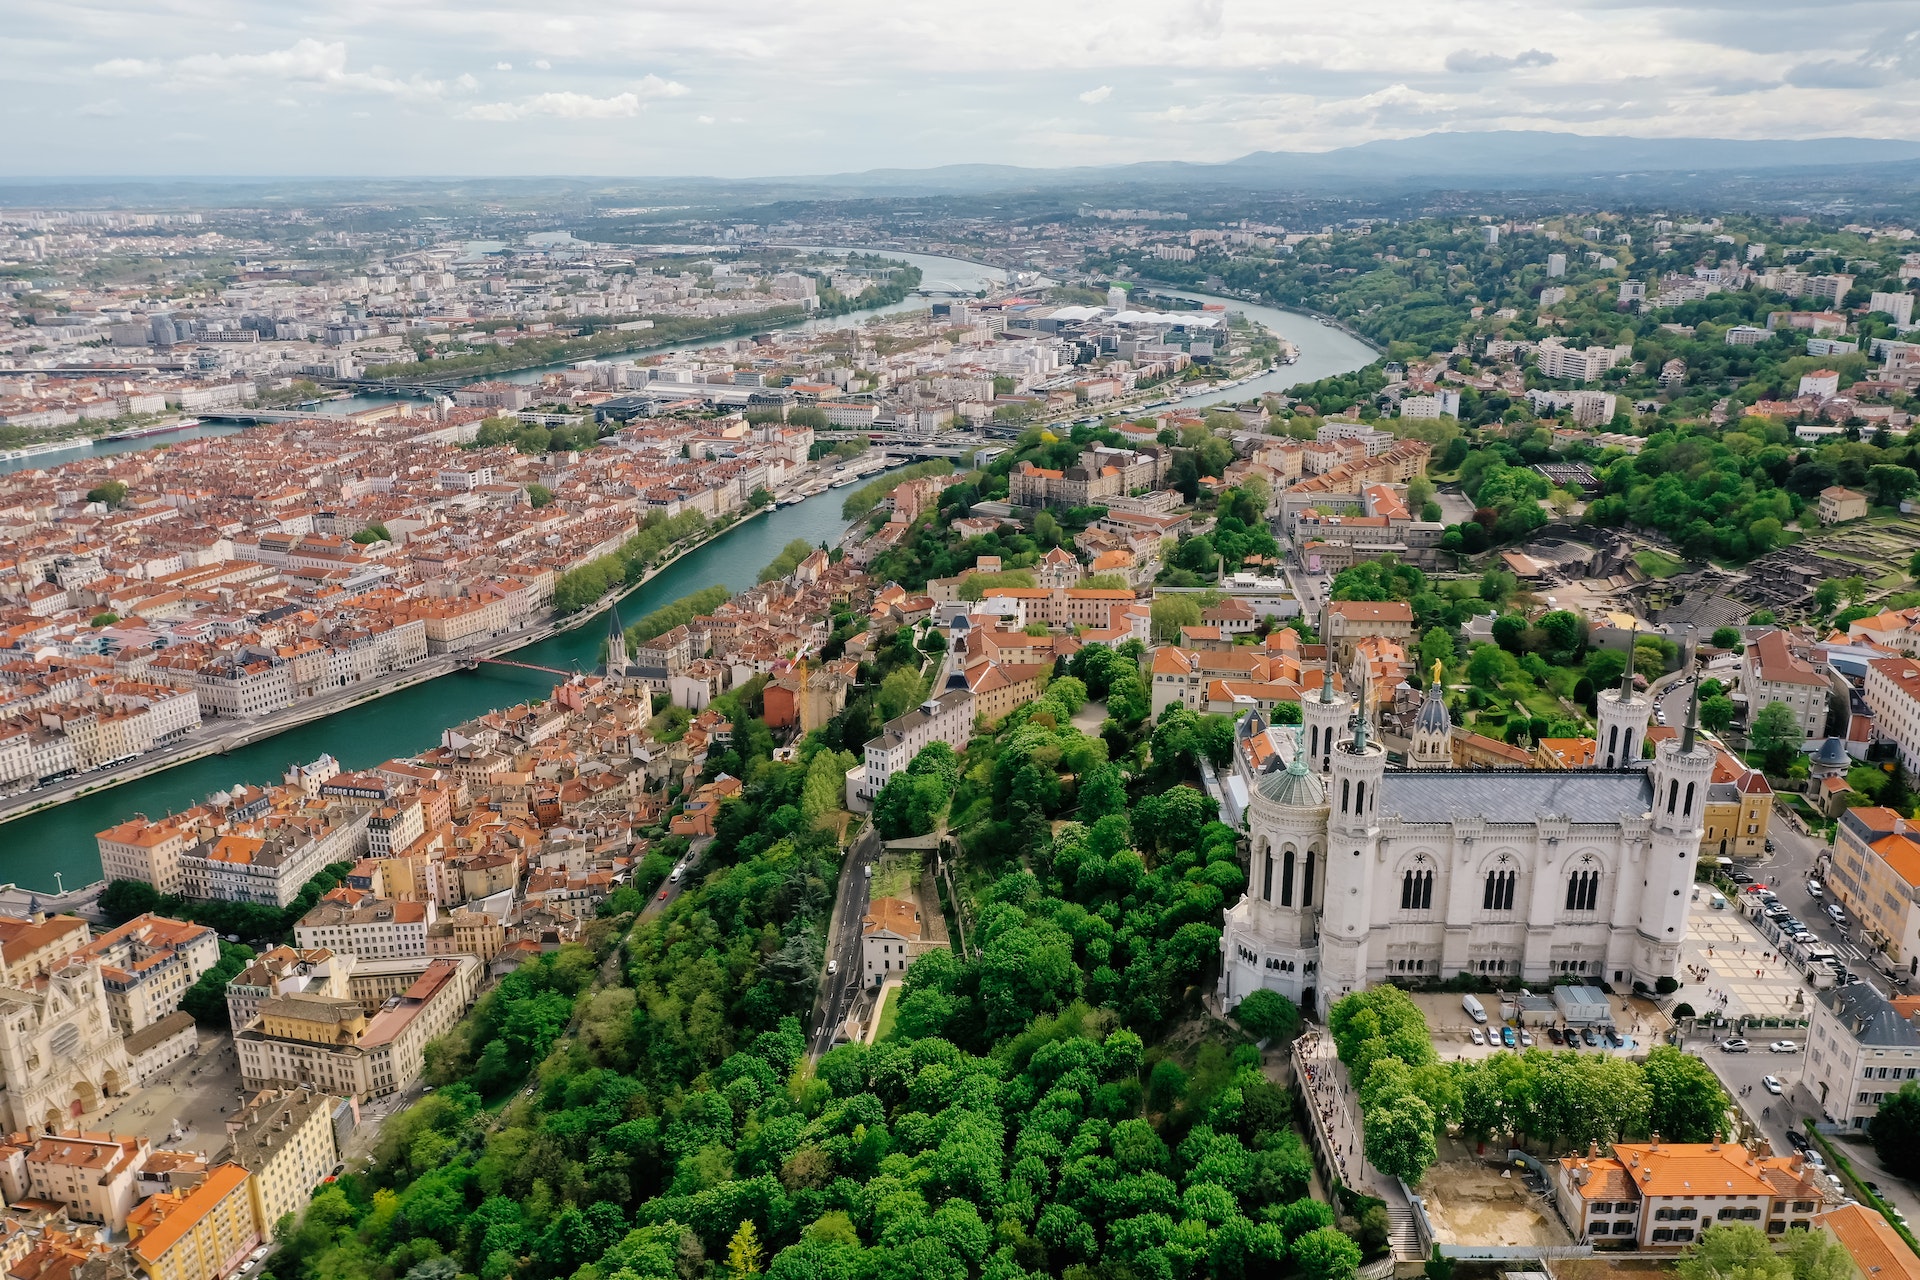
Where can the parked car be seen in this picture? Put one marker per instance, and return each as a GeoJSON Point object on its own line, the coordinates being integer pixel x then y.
{"type": "Point", "coordinates": [1735, 1045]}
{"type": "Point", "coordinates": [1836, 913]}
{"type": "Point", "coordinates": [1772, 1084]}
{"type": "Point", "coordinates": [1526, 1039]}
{"type": "Point", "coordinates": [1553, 1034]}
{"type": "Point", "coordinates": [1476, 1036]}
{"type": "Point", "coordinates": [1739, 877]}
{"type": "Point", "coordinates": [1783, 1046]}
{"type": "Point", "coordinates": [1507, 1037]}
{"type": "Point", "coordinates": [1591, 1038]}
{"type": "Point", "coordinates": [1613, 1034]}
{"type": "Point", "coordinates": [1815, 889]}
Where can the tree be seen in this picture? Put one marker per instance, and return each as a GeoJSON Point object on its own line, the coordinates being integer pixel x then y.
{"type": "Point", "coordinates": [122, 900]}
{"type": "Point", "coordinates": [1267, 1015]}
{"type": "Point", "coordinates": [1496, 585]}
{"type": "Point", "coordinates": [1400, 1140]}
{"type": "Point", "coordinates": [1827, 595]}
{"type": "Point", "coordinates": [1776, 734]}
{"type": "Point", "coordinates": [743, 1251]}
{"type": "Point", "coordinates": [538, 495]}
{"type": "Point", "coordinates": [1326, 1253]}
{"type": "Point", "coordinates": [1716, 713]}
{"type": "Point", "coordinates": [1895, 1131]}
{"type": "Point", "coordinates": [759, 497]}
{"type": "Point", "coordinates": [1686, 1102]}
{"type": "Point", "coordinates": [1733, 1251]}
{"type": "Point", "coordinates": [1435, 646]}
{"type": "Point", "coordinates": [1170, 613]}
{"type": "Point", "coordinates": [1725, 637]}
{"type": "Point", "coordinates": [1815, 1256]}
{"type": "Point", "coordinates": [113, 493]}
{"type": "Point", "coordinates": [1890, 484]}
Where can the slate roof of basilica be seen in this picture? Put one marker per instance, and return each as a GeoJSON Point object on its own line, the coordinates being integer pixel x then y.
{"type": "Point", "coordinates": [1519, 795]}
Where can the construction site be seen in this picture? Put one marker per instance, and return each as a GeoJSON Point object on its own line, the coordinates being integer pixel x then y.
{"type": "Point", "coordinates": [1471, 1202]}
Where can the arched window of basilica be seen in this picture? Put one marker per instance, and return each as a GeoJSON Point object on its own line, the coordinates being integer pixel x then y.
{"type": "Point", "coordinates": [1673, 794]}
{"type": "Point", "coordinates": [1346, 793]}
{"type": "Point", "coordinates": [1306, 882]}
{"type": "Point", "coordinates": [1286, 879]}
{"type": "Point", "coordinates": [1266, 890]}
{"type": "Point", "coordinates": [1498, 893]}
{"type": "Point", "coordinates": [1416, 886]}
{"type": "Point", "coordinates": [1583, 886]}
{"type": "Point", "coordinates": [1686, 810]}
{"type": "Point", "coordinates": [1360, 798]}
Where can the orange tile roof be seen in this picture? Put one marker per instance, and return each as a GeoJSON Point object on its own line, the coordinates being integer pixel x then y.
{"type": "Point", "coordinates": [1876, 1248]}
{"type": "Point", "coordinates": [219, 1183]}
{"type": "Point", "coordinates": [1901, 855]}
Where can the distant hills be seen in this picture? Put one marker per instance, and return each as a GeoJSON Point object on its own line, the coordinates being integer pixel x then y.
{"type": "Point", "coordinates": [1503, 161]}
{"type": "Point", "coordinates": [1509, 158]}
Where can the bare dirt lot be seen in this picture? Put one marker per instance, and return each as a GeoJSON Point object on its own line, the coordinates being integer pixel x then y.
{"type": "Point", "coordinates": [1470, 1202]}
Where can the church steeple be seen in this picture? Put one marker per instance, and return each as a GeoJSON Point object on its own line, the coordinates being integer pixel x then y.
{"type": "Point", "coordinates": [616, 643]}
{"type": "Point", "coordinates": [1433, 728]}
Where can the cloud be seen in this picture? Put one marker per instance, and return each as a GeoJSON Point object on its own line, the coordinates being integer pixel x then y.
{"type": "Point", "coordinates": [566, 105]}
{"type": "Point", "coordinates": [704, 119]}
{"type": "Point", "coordinates": [103, 109]}
{"type": "Point", "coordinates": [306, 61]}
{"type": "Point", "coordinates": [1092, 96]}
{"type": "Point", "coordinates": [1469, 62]}
{"type": "Point", "coordinates": [652, 86]}
{"type": "Point", "coordinates": [1890, 58]}
{"type": "Point", "coordinates": [466, 82]}
{"type": "Point", "coordinates": [542, 64]}
{"type": "Point", "coordinates": [125, 68]}
{"type": "Point", "coordinates": [503, 66]}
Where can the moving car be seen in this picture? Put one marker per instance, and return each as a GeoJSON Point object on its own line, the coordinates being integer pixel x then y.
{"type": "Point", "coordinates": [663, 895]}
{"type": "Point", "coordinates": [1815, 889]}
{"type": "Point", "coordinates": [1772, 1084]}
{"type": "Point", "coordinates": [1798, 1140]}
{"type": "Point", "coordinates": [1735, 1045]}
{"type": "Point", "coordinates": [1836, 913]}
{"type": "Point", "coordinates": [833, 967]}
{"type": "Point", "coordinates": [1783, 1046]}
{"type": "Point", "coordinates": [1739, 877]}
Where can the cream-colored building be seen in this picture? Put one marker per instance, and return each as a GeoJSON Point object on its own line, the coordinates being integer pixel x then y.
{"type": "Point", "coordinates": [91, 1175]}
{"type": "Point", "coordinates": [1875, 875]}
{"type": "Point", "coordinates": [148, 964]}
{"type": "Point", "coordinates": [285, 1139]}
{"type": "Point", "coordinates": [30, 946]}
{"type": "Point", "coordinates": [1859, 1051]}
{"type": "Point", "coordinates": [202, 1234]}
{"type": "Point", "coordinates": [892, 936]}
{"type": "Point", "coordinates": [366, 927]}
{"type": "Point", "coordinates": [333, 1045]}
{"type": "Point", "coordinates": [1771, 671]}
{"type": "Point", "coordinates": [60, 1056]}
{"type": "Point", "coordinates": [282, 971]}
{"type": "Point", "coordinates": [1838, 505]}
{"type": "Point", "coordinates": [145, 851]}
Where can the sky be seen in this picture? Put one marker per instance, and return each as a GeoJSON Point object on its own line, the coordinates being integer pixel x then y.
{"type": "Point", "coordinates": [740, 88]}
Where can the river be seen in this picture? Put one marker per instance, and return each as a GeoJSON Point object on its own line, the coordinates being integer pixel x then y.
{"type": "Point", "coordinates": [61, 840]}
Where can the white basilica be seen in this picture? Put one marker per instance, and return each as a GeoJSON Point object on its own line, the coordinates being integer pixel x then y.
{"type": "Point", "coordinates": [1359, 874]}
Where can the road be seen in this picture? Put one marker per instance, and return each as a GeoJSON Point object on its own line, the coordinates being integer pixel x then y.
{"type": "Point", "coordinates": [672, 889]}
{"type": "Point", "coordinates": [840, 989]}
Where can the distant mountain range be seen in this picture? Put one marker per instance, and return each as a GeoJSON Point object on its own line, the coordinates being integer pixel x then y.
{"type": "Point", "coordinates": [1517, 158]}
{"type": "Point", "coordinates": [1513, 160]}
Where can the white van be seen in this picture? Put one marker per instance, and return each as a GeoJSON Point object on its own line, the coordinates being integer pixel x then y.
{"type": "Point", "coordinates": [1719, 901]}
{"type": "Point", "coordinates": [1474, 1008]}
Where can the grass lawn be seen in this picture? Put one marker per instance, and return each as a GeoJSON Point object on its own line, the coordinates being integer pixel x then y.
{"type": "Point", "coordinates": [1658, 564]}
{"type": "Point", "coordinates": [889, 1013]}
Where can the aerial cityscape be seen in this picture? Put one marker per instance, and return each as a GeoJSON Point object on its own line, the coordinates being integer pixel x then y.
{"type": "Point", "coordinates": [1312, 676]}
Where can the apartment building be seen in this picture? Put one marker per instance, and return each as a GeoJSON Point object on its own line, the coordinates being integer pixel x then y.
{"type": "Point", "coordinates": [283, 971]}
{"type": "Point", "coordinates": [270, 864]}
{"type": "Point", "coordinates": [32, 945]}
{"type": "Point", "coordinates": [946, 717]}
{"type": "Point", "coordinates": [1348, 621]}
{"type": "Point", "coordinates": [999, 687]}
{"type": "Point", "coordinates": [145, 851]}
{"type": "Point", "coordinates": [332, 1044]}
{"type": "Point", "coordinates": [93, 1176]}
{"type": "Point", "coordinates": [1663, 1195]}
{"type": "Point", "coordinates": [368, 928]}
{"type": "Point", "coordinates": [1771, 671]}
{"type": "Point", "coordinates": [1859, 1050]}
{"type": "Point", "coordinates": [284, 1138]}
{"type": "Point", "coordinates": [147, 966]}
{"type": "Point", "coordinates": [1893, 695]}
{"type": "Point", "coordinates": [1875, 874]}
{"type": "Point", "coordinates": [202, 1234]}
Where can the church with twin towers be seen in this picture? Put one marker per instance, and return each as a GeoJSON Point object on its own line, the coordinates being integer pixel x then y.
{"type": "Point", "coordinates": [1361, 874]}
